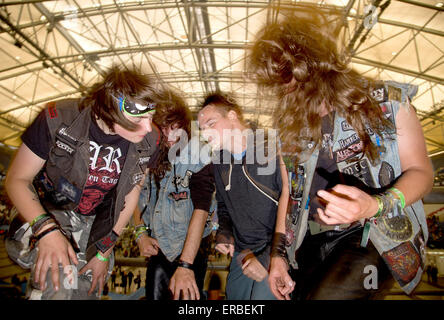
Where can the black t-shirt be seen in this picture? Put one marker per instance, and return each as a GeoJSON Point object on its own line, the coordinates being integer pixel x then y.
{"type": "Point", "coordinates": [326, 174]}
{"type": "Point", "coordinates": [107, 156]}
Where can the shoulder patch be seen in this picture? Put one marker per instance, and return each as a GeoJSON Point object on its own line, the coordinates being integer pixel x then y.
{"type": "Point", "coordinates": [52, 111]}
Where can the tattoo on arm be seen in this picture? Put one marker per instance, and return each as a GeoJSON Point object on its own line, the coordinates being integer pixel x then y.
{"type": "Point", "coordinates": [34, 192]}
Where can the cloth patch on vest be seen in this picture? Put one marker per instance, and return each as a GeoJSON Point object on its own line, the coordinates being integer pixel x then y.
{"type": "Point", "coordinates": [52, 111]}
{"type": "Point", "coordinates": [65, 188]}
{"type": "Point", "coordinates": [386, 174]}
{"type": "Point", "coordinates": [404, 262]}
{"type": "Point", "coordinates": [349, 152]}
{"type": "Point", "coordinates": [137, 177]}
{"type": "Point", "coordinates": [386, 108]}
{"type": "Point", "coordinates": [360, 170]}
{"type": "Point", "coordinates": [398, 228]}
{"type": "Point", "coordinates": [176, 196]}
{"type": "Point", "coordinates": [379, 93]}
{"type": "Point", "coordinates": [420, 246]}
{"type": "Point", "coordinates": [62, 133]}
{"type": "Point", "coordinates": [144, 160]}
{"type": "Point", "coordinates": [64, 146]}
{"type": "Point", "coordinates": [394, 93]}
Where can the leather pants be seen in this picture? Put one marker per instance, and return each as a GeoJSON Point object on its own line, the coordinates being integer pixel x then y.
{"type": "Point", "coordinates": [160, 270]}
{"type": "Point", "coordinates": [333, 266]}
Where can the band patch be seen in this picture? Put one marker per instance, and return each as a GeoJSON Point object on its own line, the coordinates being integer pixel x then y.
{"type": "Point", "coordinates": [52, 111]}
{"type": "Point", "coordinates": [379, 94]}
{"type": "Point", "coordinates": [144, 160]}
{"type": "Point", "coordinates": [360, 170]}
{"type": "Point", "coordinates": [137, 177]}
{"type": "Point", "coordinates": [62, 132]}
{"type": "Point", "coordinates": [349, 152]}
{"type": "Point", "coordinates": [386, 174]}
{"type": "Point", "coordinates": [404, 261]}
{"type": "Point", "coordinates": [67, 189]}
{"type": "Point", "coordinates": [176, 196]}
{"type": "Point", "coordinates": [64, 146]}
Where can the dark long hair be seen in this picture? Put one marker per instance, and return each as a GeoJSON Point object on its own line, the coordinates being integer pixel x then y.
{"type": "Point", "coordinates": [299, 58]}
{"type": "Point", "coordinates": [171, 110]}
{"type": "Point", "coordinates": [103, 96]}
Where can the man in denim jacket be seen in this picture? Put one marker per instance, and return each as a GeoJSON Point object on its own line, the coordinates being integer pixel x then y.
{"type": "Point", "coordinates": [175, 205]}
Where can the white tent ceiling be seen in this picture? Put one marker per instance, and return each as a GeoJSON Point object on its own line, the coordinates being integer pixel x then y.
{"type": "Point", "coordinates": [54, 49]}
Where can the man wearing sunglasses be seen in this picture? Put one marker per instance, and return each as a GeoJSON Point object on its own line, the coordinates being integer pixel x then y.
{"type": "Point", "coordinates": [75, 182]}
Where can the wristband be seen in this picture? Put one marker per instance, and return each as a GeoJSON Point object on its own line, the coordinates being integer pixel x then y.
{"type": "Point", "coordinates": [38, 218]}
{"type": "Point", "coordinates": [101, 257]}
{"type": "Point", "coordinates": [34, 239]}
{"type": "Point", "coordinates": [185, 265]}
{"type": "Point", "coordinates": [107, 241]}
{"type": "Point", "coordinates": [278, 246]}
{"type": "Point", "coordinates": [380, 205]}
{"type": "Point", "coordinates": [400, 196]}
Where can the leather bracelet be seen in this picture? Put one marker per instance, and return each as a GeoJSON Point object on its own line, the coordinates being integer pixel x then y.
{"type": "Point", "coordinates": [185, 265]}
{"type": "Point", "coordinates": [278, 246]}
{"type": "Point", "coordinates": [35, 239]}
{"type": "Point", "coordinates": [41, 223]}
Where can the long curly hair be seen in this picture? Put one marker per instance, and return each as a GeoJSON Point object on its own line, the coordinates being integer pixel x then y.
{"type": "Point", "coordinates": [299, 58]}
{"type": "Point", "coordinates": [171, 110]}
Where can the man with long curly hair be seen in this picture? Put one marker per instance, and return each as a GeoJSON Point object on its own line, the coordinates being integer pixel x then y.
{"type": "Point", "coordinates": [173, 212]}
{"type": "Point", "coordinates": [358, 163]}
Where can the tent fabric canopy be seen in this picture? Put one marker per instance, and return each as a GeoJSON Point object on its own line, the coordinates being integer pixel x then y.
{"type": "Point", "coordinates": [55, 49]}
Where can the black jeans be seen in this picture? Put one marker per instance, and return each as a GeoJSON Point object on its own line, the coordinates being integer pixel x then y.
{"type": "Point", "coordinates": [333, 266]}
{"type": "Point", "coordinates": [160, 270]}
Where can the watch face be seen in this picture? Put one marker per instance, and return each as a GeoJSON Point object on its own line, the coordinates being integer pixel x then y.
{"type": "Point", "coordinates": [396, 227]}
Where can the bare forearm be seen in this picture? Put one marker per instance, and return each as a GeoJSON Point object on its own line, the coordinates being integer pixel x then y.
{"type": "Point", "coordinates": [415, 183]}
{"type": "Point", "coordinates": [130, 206]}
{"type": "Point", "coordinates": [24, 196]}
{"type": "Point", "coordinates": [283, 199]}
{"type": "Point", "coordinates": [194, 235]}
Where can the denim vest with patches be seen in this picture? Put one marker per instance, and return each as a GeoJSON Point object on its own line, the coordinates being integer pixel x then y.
{"type": "Point", "coordinates": [405, 258]}
{"type": "Point", "coordinates": [167, 211]}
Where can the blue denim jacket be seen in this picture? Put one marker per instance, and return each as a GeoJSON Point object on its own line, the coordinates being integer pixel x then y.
{"type": "Point", "coordinates": [405, 258]}
{"type": "Point", "coordinates": [168, 210]}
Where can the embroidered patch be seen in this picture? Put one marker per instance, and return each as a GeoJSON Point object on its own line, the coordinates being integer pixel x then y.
{"type": "Point", "coordinates": [143, 160]}
{"type": "Point", "coordinates": [394, 93]}
{"type": "Point", "coordinates": [62, 132]}
{"type": "Point", "coordinates": [404, 262]}
{"type": "Point", "coordinates": [67, 189]}
{"type": "Point", "coordinates": [137, 177]}
{"type": "Point", "coordinates": [176, 196]}
{"type": "Point", "coordinates": [397, 228]}
{"type": "Point", "coordinates": [379, 93]}
{"type": "Point", "coordinates": [349, 152]}
{"type": "Point", "coordinates": [386, 174]}
{"type": "Point", "coordinates": [64, 146]}
{"type": "Point", "coordinates": [52, 111]}
{"type": "Point", "coordinates": [420, 246]}
{"type": "Point", "coordinates": [360, 170]}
